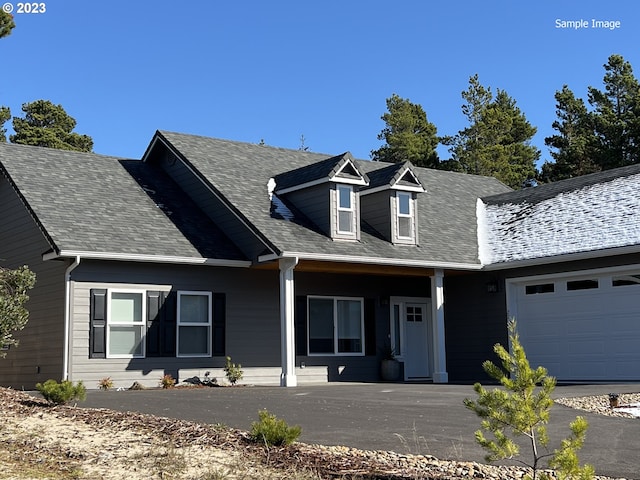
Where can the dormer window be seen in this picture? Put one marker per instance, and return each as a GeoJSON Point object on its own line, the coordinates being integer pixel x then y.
{"type": "Point", "coordinates": [404, 209]}
{"type": "Point", "coordinates": [346, 209]}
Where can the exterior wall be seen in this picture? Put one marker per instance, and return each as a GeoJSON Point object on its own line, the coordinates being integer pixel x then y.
{"type": "Point", "coordinates": [314, 203]}
{"type": "Point", "coordinates": [252, 320]}
{"type": "Point", "coordinates": [376, 211]}
{"type": "Point", "coordinates": [212, 207]}
{"type": "Point", "coordinates": [475, 320]}
{"type": "Point", "coordinates": [39, 355]}
{"type": "Point", "coordinates": [376, 288]}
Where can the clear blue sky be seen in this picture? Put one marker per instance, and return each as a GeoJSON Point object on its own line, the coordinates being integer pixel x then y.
{"type": "Point", "coordinates": [276, 70]}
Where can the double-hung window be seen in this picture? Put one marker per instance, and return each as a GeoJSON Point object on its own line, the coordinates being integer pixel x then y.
{"type": "Point", "coordinates": [126, 314]}
{"type": "Point", "coordinates": [194, 324]}
{"type": "Point", "coordinates": [404, 212]}
{"type": "Point", "coordinates": [346, 209]}
{"type": "Point", "coordinates": [336, 326]}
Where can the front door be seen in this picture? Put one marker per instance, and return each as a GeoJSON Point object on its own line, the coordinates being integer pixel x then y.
{"type": "Point", "coordinates": [410, 332]}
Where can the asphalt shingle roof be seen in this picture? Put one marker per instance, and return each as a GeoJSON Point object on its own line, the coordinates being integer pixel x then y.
{"type": "Point", "coordinates": [241, 171]}
{"type": "Point", "coordinates": [94, 203]}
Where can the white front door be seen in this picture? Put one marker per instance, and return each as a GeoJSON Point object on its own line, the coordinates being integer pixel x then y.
{"type": "Point", "coordinates": [410, 334]}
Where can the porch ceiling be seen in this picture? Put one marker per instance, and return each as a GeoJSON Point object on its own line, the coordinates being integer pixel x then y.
{"type": "Point", "coordinates": [352, 268]}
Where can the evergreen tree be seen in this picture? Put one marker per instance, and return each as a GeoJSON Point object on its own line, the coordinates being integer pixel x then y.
{"type": "Point", "coordinates": [408, 135]}
{"type": "Point", "coordinates": [48, 125]}
{"type": "Point", "coordinates": [520, 409]}
{"type": "Point", "coordinates": [616, 115]}
{"type": "Point", "coordinates": [14, 285]}
{"type": "Point", "coordinates": [497, 141]}
{"type": "Point", "coordinates": [574, 143]}
{"type": "Point", "coordinates": [6, 23]}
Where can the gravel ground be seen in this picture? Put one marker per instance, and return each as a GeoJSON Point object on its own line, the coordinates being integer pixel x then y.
{"type": "Point", "coordinates": [95, 441]}
{"type": "Point", "coordinates": [600, 404]}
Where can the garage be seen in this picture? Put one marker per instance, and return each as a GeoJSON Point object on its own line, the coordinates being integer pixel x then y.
{"type": "Point", "coordinates": [581, 327]}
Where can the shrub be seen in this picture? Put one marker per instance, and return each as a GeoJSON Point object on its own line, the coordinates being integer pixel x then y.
{"type": "Point", "coordinates": [232, 371]}
{"type": "Point", "coordinates": [105, 383]}
{"type": "Point", "coordinates": [273, 431]}
{"type": "Point", "coordinates": [63, 392]}
{"type": "Point", "coordinates": [167, 381]}
{"type": "Point", "coordinates": [523, 410]}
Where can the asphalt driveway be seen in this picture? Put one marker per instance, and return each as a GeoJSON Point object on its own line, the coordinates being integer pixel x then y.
{"type": "Point", "coordinates": [407, 418]}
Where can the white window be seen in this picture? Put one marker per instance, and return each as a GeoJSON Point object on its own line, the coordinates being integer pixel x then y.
{"type": "Point", "coordinates": [126, 325]}
{"type": "Point", "coordinates": [404, 215]}
{"type": "Point", "coordinates": [346, 209]}
{"type": "Point", "coordinates": [194, 324]}
{"type": "Point", "coordinates": [336, 326]}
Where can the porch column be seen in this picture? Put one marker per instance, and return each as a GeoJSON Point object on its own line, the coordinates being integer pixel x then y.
{"type": "Point", "coordinates": [287, 332]}
{"type": "Point", "coordinates": [440, 374]}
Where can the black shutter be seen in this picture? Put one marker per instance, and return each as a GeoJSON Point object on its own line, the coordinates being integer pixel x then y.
{"type": "Point", "coordinates": [219, 324]}
{"type": "Point", "coordinates": [301, 325]}
{"type": "Point", "coordinates": [161, 324]}
{"type": "Point", "coordinates": [98, 323]}
{"type": "Point", "coordinates": [154, 324]}
{"type": "Point", "coordinates": [370, 326]}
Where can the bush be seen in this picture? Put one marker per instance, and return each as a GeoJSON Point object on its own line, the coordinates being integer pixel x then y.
{"type": "Point", "coordinates": [233, 372]}
{"type": "Point", "coordinates": [167, 381]}
{"type": "Point", "coordinates": [273, 431]}
{"type": "Point", "coordinates": [105, 383]}
{"type": "Point", "coordinates": [63, 392]}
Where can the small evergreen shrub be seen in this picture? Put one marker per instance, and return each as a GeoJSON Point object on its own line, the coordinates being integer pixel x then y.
{"type": "Point", "coordinates": [63, 392]}
{"type": "Point", "coordinates": [233, 372]}
{"type": "Point", "coordinates": [167, 381]}
{"type": "Point", "coordinates": [105, 383]}
{"type": "Point", "coordinates": [273, 431]}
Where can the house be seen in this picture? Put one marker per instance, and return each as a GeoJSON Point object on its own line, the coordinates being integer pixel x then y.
{"type": "Point", "coordinates": [303, 267]}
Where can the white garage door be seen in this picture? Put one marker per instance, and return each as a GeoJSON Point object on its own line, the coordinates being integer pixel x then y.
{"type": "Point", "coordinates": [580, 328]}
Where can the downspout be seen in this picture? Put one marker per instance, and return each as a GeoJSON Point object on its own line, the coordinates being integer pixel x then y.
{"type": "Point", "coordinates": [67, 316]}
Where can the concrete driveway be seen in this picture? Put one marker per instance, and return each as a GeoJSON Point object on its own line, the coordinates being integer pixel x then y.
{"type": "Point", "coordinates": [407, 418]}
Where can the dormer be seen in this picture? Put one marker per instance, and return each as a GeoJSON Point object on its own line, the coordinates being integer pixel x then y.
{"type": "Point", "coordinates": [326, 192]}
{"type": "Point", "coordinates": [389, 203]}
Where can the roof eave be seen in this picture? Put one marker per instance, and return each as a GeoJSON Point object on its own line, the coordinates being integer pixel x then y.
{"type": "Point", "coordinates": [400, 262]}
{"type": "Point", "coordinates": [567, 257]}
{"type": "Point", "coordinates": [145, 258]}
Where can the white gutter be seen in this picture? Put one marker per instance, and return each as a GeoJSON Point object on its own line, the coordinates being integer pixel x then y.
{"type": "Point", "coordinates": [67, 316]}
{"type": "Point", "coordinates": [135, 257]}
{"type": "Point", "coordinates": [567, 257]}
{"type": "Point", "coordinates": [371, 260]}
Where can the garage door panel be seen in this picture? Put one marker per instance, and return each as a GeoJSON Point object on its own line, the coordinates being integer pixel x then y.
{"type": "Point", "coordinates": [582, 335]}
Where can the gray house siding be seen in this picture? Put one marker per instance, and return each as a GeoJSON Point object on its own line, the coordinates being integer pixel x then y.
{"type": "Point", "coordinates": [39, 355]}
{"type": "Point", "coordinates": [252, 333]}
{"type": "Point", "coordinates": [375, 209]}
{"type": "Point", "coordinates": [314, 203]}
{"type": "Point", "coordinates": [475, 320]}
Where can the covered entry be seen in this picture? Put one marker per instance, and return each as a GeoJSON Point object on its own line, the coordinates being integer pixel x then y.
{"type": "Point", "coordinates": [411, 338]}
{"type": "Point", "coordinates": [581, 326]}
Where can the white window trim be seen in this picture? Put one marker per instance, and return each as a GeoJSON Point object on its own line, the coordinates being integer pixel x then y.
{"type": "Point", "coordinates": [142, 323]}
{"type": "Point", "coordinates": [335, 327]}
{"type": "Point", "coordinates": [352, 209]}
{"type": "Point", "coordinates": [209, 324]}
{"type": "Point", "coordinates": [410, 216]}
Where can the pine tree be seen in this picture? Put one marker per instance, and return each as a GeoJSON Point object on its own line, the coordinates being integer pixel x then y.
{"type": "Point", "coordinates": [14, 285]}
{"type": "Point", "coordinates": [616, 115]}
{"type": "Point", "coordinates": [497, 141]}
{"type": "Point", "coordinates": [408, 135]}
{"type": "Point", "coordinates": [574, 143]}
{"type": "Point", "coordinates": [521, 409]}
{"type": "Point", "coordinates": [48, 125]}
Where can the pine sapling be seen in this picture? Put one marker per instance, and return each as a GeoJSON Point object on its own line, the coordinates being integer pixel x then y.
{"type": "Point", "coordinates": [521, 409]}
